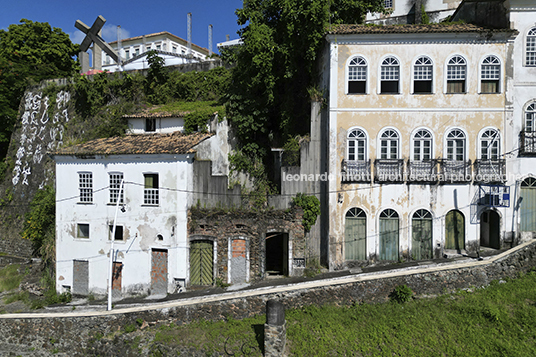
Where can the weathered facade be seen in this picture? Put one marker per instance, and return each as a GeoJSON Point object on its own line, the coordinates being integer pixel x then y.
{"type": "Point", "coordinates": [423, 131]}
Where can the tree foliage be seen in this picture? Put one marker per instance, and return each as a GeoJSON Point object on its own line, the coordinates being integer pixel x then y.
{"type": "Point", "coordinates": [277, 63]}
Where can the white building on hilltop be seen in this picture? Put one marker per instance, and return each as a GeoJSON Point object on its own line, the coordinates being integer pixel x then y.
{"type": "Point", "coordinates": [173, 49]}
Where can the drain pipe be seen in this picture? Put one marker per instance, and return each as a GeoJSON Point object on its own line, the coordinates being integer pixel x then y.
{"type": "Point", "coordinates": [112, 238]}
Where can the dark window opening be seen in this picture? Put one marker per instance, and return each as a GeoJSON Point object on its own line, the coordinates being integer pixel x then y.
{"type": "Point", "coordinates": [422, 87]}
{"type": "Point", "coordinates": [455, 86]}
{"type": "Point", "coordinates": [357, 87]}
{"type": "Point", "coordinates": [490, 86]}
{"type": "Point", "coordinates": [276, 254]}
{"type": "Point", "coordinates": [150, 125]}
{"type": "Point", "coordinates": [118, 232]}
{"type": "Point", "coordinates": [389, 87]}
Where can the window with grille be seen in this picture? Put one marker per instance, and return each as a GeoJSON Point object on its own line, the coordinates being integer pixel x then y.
{"type": "Point", "coordinates": [531, 48]}
{"type": "Point", "coordinates": [422, 145]}
{"type": "Point", "coordinates": [150, 191]}
{"type": "Point", "coordinates": [357, 76]}
{"type": "Point", "coordinates": [357, 141]}
{"type": "Point", "coordinates": [115, 187]}
{"type": "Point", "coordinates": [456, 145]}
{"type": "Point", "coordinates": [530, 117]}
{"type": "Point", "coordinates": [422, 76]}
{"type": "Point", "coordinates": [85, 185]}
{"type": "Point", "coordinates": [490, 74]}
{"type": "Point", "coordinates": [390, 75]}
{"type": "Point", "coordinates": [489, 145]}
{"type": "Point", "coordinates": [389, 144]}
{"type": "Point", "coordinates": [388, 4]}
{"type": "Point", "coordinates": [456, 75]}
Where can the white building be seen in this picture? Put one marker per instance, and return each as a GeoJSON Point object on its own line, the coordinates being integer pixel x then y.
{"type": "Point", "coordinates": [423, 130]}
{"type": "Point", "coordinates": [133, 52]}
{"type": "Point", "coordinates": [150, 241]}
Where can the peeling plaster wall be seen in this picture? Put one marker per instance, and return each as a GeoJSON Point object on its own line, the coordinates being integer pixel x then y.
{"type": "Point", "coordinates": [406, 112]}
{"type": "Point", "coordinates": [141, 223]}
{"type": "Point", "coordinates": [403, 11]}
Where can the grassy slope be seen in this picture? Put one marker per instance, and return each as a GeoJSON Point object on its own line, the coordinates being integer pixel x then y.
{"type": "Point", "coordinates": [497, 321]}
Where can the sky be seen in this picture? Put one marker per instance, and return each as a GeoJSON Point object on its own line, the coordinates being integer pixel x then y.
{"type": "Point", "coordinates": [135, 17]}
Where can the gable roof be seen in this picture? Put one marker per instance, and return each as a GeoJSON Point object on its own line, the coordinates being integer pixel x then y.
{"type": "Point", "coordinates": [174, 143]}
{"type": "Point", "coordinates": [429, 28]}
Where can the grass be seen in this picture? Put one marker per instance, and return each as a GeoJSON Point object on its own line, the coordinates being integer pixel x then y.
{"type": "Point", "coordinates": [10, 277]}
{"type": "Point", "coordinates": [495, 321]}
{"type": "Point", "coordinates": [180, 107]}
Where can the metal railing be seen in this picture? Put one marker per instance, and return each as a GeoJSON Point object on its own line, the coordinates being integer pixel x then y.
{"type": "Point", "coordinates": [489, 171]}
{"type": "Point", "coordinates": [527, 143]}
{"type": "Point", "coordinates": [422, 171]}
{"type": "Point", "coordinates": [389, 170]}
{"type": "Point", "coordinates": [355, 171]}
{"type": "Point", "coordinates": [455, 171]}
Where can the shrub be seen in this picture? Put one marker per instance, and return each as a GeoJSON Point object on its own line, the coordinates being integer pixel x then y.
{"type": "Point", "coordinates": [401, 294]}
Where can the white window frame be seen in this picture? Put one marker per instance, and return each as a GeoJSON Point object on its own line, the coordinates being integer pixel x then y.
{"type": "Point", "coordinates": [456, 73]}
{"type": "Point", "coordinates": [389, 71]}
{"type": "Point", "coordinates": [453, 156]}
{"type": "Point", "coordinates": [85, 187]}
{"type": "Point", "coordinates": [358, 62]}
{"type": "Point", "coordinates": [356, 138]}
{"type": "Point", "coordinates": [388, 4]}
{"type": "Point", "coordinates": [114, 179]}
{"type": "Point", "coordinates": [417, 137]}
{"type": "Point", "coordinates": [530, 48]}
{"type": "Point", "coordinates": [151, 195]}
{"type": "Point", "coordinates": [490, 69]}
{"type": "Point", "coordinates": [529, 117]}
{"type": "Point", "coordinates": [420, 63]}
{"type": "Point", "coordinates": [489, 139]}
{"type": "Point", "coordinates": [391, 137]}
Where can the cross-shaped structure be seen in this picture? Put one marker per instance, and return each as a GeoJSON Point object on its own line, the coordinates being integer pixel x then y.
{"type": "Point", "coordinates": [93, 36]}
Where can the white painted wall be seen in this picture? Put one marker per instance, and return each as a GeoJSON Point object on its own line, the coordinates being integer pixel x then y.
{"type": "Point", "coordinates": [163, 125]}
{"type": "Point", "coordinates": [141, 223]}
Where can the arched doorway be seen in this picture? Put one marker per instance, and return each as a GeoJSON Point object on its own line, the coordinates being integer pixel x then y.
{"type": "Point", "coordinates": [527, 205]}
{"type": "Point", "coordinates": [455, 230]}
{"type": "Point", "coordinates": [355, 234]}
{"type": "Point", "coordinates": [490, 225]}
{"type": "Point", "coordinates": [421, 235]}
{"type": "Point", "coordinates": [389, 235]}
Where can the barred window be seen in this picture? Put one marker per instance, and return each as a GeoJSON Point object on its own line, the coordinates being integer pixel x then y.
{"type": "Point", "coordinates": [490, 74]}
{"type": "Point", "coordinates": [390, 73]}
{"type": "Point", "coordinates": [115, 187]}
{"type": "Point", "coordinates": [422, 75]}
{"type": "Point", "coordinates": [150, 191]}
{"type": "Point", "coordinates": [456, 75]}
{"type": "Point", "coordinates": [357, 76]}
{"type": "Point", "coordinates": [357, 141]}
{"type": "Point", "coordinates": [531, 48]}
{"type": "Point", "coordinates": [85, 184]}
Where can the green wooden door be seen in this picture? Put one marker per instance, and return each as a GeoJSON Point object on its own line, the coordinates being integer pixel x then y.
{"type": "Point", "coordinates": [389, 235]}
{"type": "Point", "coordinates": [201, 263]}
{"type": "Point", "coordinates": [527, 207]}
{"type": "Point", "coordinates": [355, 235]}
{"type": "Point", "coordinates": [421, 242]}
{"type": "Point", "coordinates": [454, 230]}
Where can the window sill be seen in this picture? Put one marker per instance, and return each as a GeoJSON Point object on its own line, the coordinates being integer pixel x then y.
{"type": "Point", "coordinates": [389, 93]}
{"type": "Point", "coordinates": [427, 93]}
{"type": "Point", "coordinates": [85, 203]}
{"type": "Point", "coordinates": [490, 93]}
{"type": "Point", "coordinates": [150, 205]}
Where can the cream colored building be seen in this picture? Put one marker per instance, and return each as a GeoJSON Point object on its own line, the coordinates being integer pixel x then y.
{"type": "Point", "coordinates": [422, 142]}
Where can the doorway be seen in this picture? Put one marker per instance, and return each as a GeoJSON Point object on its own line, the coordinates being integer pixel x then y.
{"type": "Point", "coordinates": [276, 254]}
{"type": "Point", "coordinates": [201, 262]}
{"type": "Point", "coordinates": [159, 271]}
{"type": "Point", "coordinates": [490, 225]}
{"type": "Point", "coordinates": [455, 230]}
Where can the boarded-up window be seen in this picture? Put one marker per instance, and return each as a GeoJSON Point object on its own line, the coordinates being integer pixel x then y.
{"type": "Point", "coordinates": [355, 235]}
{"type": "Point", "coordinates": [389, 233]}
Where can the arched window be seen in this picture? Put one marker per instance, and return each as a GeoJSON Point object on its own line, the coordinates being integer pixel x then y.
{"type": "Point", "coordinates": [456, 75]}
{"type": "Point", "coordinates": [389, 144]}
{"type": "Point", "coordinates": [390, 75]}
{"type": "Point", "coordinates": [456, 145]}
{"type": "Point", "coordinates": [389, 233]}
{"type": "Point", "coordinates": [421, 235]}
{"type": "Point", "coordinates": [489, 145]}
{"type": "Point", "coordinates": [422, 145]}
{"type": "Point", "coordinates": [490, 74]}
{"type": "Point", "coordinates": [530, 118]}
{"type": "Point", "coordinates": [357, 76]}
{"type": "Point", "coordinates": [357, 143]}
{"type": "Point", "coordinates": [355, 234]}
{"type": "Point", "coordinates": [531, 48]}
{"type": "Point", "coordinates": [422, 75]}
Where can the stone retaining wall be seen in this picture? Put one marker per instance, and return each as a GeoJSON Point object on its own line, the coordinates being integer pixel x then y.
{"type": "Point", "coordinates": [76, 335]}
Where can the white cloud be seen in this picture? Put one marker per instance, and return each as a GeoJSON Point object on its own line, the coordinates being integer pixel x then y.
{"type": "Point", "coordinates": [77, 36]}
{"type": "Point", "coordinates": [109, 34]}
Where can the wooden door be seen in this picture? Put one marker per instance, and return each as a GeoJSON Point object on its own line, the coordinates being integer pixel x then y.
{"type": "Point", "coordinates": [201, 263]}
{"type": "Point", "coordinates": [389, 235]}
{"type": "Point", "coordinates": [355, 235]}
{"type": "Point", "coordinates": [421, 235]}
{"type": "Point", "coordinates": [454, 230]}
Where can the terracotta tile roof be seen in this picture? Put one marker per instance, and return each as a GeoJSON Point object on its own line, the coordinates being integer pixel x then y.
{"type": "Point", "coordinates": [430, 28]}
{"type": "Point", "coordinates": [174, 143]}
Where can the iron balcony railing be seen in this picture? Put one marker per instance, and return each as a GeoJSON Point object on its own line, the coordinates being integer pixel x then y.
{"type": "Point", "coordinates": [355, 171]}
{"type": "Point", "coordinates": [422, 171]}
{"type": "Point", "coordinates": [527, 145]}
{"type": "Point", "coordinates": [389, 170]}
{"type": "Point", "coordinates": [489, 171]}
{"type": "Point", "coordinates": [455, 171]}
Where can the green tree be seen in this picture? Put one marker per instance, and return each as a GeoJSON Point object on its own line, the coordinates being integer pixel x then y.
{"type": "Point", "coordinates": [277, 64]}
{"type": "Point", "coordinates": [29, 52]}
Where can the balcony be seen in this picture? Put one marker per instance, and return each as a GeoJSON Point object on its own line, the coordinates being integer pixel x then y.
{"type": "Point", "coordinates": [389, 170]}
{"type": "Point", "coordinates": [355, 171]}
{"type": "Point", "coordinates": [422, 171]}
{"type": "Point", "coordinates": [527, 144]}
{"type": "Point", "coordinates": [455, 171]}
{"type": "Point", "coordinates": [490, 171]}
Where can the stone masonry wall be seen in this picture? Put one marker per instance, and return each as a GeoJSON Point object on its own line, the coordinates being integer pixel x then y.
{"type": "Point", "coordinates": [76, 335]}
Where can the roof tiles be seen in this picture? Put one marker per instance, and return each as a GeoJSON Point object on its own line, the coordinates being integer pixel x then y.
{"type": "Point", "coordinates": [429, 28]}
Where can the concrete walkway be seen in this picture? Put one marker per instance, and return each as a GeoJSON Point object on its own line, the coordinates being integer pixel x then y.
{"type": "Point", "coordinates": [99, 310]}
